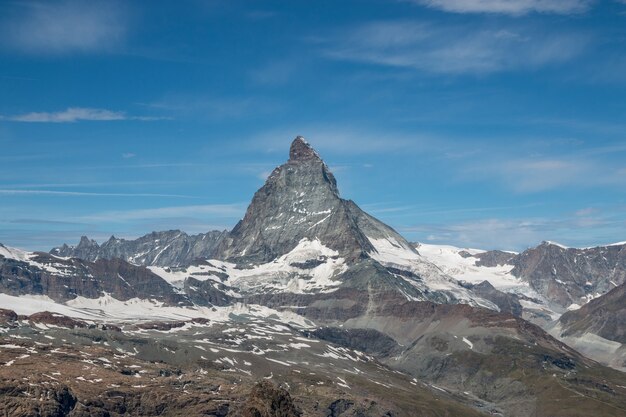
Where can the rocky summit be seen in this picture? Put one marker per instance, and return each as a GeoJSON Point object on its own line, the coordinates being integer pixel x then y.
{"type": "Point", "coordinates": [300, 200]}
{"type": "Point", "coordinates": [309, 307]}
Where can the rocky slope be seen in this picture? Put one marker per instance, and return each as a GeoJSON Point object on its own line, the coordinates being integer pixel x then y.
{"type": "Point", "coordinates": [304, 258]}
{"type": "Point", "coordinates": [63, 279]}
{"type": "Point", "coordinates": [598, 329]}
{"type": "Point", "coordinates": [552, 277]}
{"type": "Point", "coordinates": [239, 367]}
{"type": "Point", "coordinates": [170, 248]}
{"type": "Point", "coordinates": [569, 275]}
{"type": "Point", "coordinates": [300, 200]}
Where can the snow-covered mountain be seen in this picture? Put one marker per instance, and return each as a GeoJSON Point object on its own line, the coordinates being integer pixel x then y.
{"type": "Point", "coordinates": [302, 263]}
{"type": "Point", "coordinates": [169, 248]}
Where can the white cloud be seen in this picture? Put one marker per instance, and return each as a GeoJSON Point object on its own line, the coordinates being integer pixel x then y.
{"type": "Point", "coordinates": [511, 7]}
{"type": "Point", "coordinates": [128, 155]}
{"type": "Point", "coordinates": [65, 26]}
{"type": "Point", "coordinates": [345, 140]}
{"type": "Point", "coordinates": [215, 210]}
{"type": "Point", "coordinates": [84, 193]}
{"type": "Point", "coordinates": [452, 49]}
{"type": "Point", "coordinates": [520, 233]}
{"type": "Point", "coordinates": [538, 174]}
{"type": "Point", "coordinates": [74, 114]}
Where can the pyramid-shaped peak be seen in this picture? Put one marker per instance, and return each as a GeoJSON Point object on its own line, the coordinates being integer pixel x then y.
{"type": "Point", "coordinates": [301, 150]}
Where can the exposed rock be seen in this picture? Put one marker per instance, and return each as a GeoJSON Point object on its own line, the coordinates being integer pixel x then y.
{"type": "Point", "coordinates": [604, 316]}
{"type": "Point", "coordinates": [300, 200]}
{"type": "Point", "coordinates": [365, 340]}
{"type": "Point", "coordinates": [169, 248]}
{"type": "Point", "coordinates": [507, 303]}
{"type": "Point", "coordinates": [571, 276]}
{"type": "Point", "coordinates": [267, 400]}
{"type": "Point", "coordinates": [7, 316]}
{"type": "Point", "coordinates": [64, 279]}
{"type": "Point", "coordinates": [55, 319]}
{"type": "Point", "coordinates": [494, 258]}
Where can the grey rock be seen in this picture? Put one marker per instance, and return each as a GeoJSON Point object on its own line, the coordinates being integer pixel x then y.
{"type": "Point", "coordinates": [494, 258]}
{"type": "Point", "coordinates": [65, 279]}
{"type": "Point", "coordinates": [169, 248]}
{"type": "Point", "coordinates": [300, 200]}
{"type": "Point", "coordinates": [507, 303]}
{"type": "Point", "coordinates": [571, 276]}
{"type": "Point", "coordinates": [604, 316]}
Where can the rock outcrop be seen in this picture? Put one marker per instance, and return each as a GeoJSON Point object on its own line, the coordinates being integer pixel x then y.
{"type": "Point", "coordinates": [169, 248]}
{"type": "Point", "coordinates": [300, 200]}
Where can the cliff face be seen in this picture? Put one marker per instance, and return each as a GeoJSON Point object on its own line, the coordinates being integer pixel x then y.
{"type": "Point", "coordinates": [300, 200]}
{"type": "Point", "coordinates": [570, 275]}
{"type": "Point", "coordinates": [169, 248]}
{"type": "Point", "coordinates": [65, 279]}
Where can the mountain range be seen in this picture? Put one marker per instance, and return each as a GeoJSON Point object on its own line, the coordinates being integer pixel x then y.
{"type": "Point", "coordinates": [340, 313]}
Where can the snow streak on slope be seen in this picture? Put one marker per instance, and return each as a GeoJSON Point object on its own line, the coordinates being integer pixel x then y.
{"type": "Point", "coordinates": [464, 268]}
{"type": "Point", "coordinates": [390, 253]}
{"type": "Point", "coordinates": [109, 309]}
{"type": "Point", "coordinates": [30, 258]}
{"type": "Point", "coordinates": [309, 267]}
{"type": "Point", "coordinates": [12, 253]}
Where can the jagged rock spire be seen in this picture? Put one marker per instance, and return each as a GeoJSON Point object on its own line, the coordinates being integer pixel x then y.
{"type": "Point", "coordinates": [300, 200]}
{"type": "Point", "coordinates": [301, 150]}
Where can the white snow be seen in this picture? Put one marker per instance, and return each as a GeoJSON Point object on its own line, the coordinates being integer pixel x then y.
{"type": "Point", "coordinates": [470, 344]}
{"type": "Point", "coordinates": [283, 274]}
{"type": "Point", "coordinates": [432, 269]}
{"type": "Point", "coordinates": [12, 253]}
{"type": "Point", "coordinates": [465, 269]}
{"type": "Point", "coordinates": [280, 275]}
{"type": "Point", "coordinates": [549, 242]}
{"type": "Point", "coordinates": [109, 309]}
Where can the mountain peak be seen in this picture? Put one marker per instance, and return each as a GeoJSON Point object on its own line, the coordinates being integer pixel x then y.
{"type": "Point", "coordinates": [301, 150]}
{"type": "Point", "coordinates": [85, 242]}
{"type": "Point", "coordinates": [300, 202]}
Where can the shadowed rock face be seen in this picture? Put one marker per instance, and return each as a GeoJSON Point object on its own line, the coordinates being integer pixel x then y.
{"type": "Point", "coordinates": [604, 316]}
{"type": "Point", "coordinates": [300, 200]}
{"type": "Point", "coordinates": [507, 303]}
{"type": "Point", "coordinates": [65, 279]}
{"type": "Point", "coordinates": [569, 275]}
{"type": "Point", "coordinates": [170, 248]}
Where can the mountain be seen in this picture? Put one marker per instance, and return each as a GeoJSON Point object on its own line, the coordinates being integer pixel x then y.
{"type": "Point", "coordinates": [548, 279]}
{"type": "Point", "coordinates": [570, 276]}
{"type": "Point", "coordinates": [311, 292]}
{"type": "Point", "coordinates": [300, 200]}
{"type": "Point", "coordinates": [598, 328]}
{"type": "Point", "coordinates": [169, 248]}
{"type": "Point", "coordinates": [63, 279]}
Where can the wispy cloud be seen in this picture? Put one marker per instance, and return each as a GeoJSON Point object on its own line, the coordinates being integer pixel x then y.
{"type": "Point", "coordinates": [346, 140]}
{"type": "Point", "coordinates": [521, 233]}
{"type": "Point", "coordinates": [511, 7]}
{"type": "Point", "coordinates": [62, 27]}
{"type": "Point", "coordinates": [537, 174]}
{"type": "Point", "coordinates": [75, 114]}
{"type": "Point", "coordinates": [210, 107]}
{"type": "Point", "coordinates": [45, 222]}
{"type": "Point", "coordinates": [85, 194]}
{"type": "Point", "coordinates": [216, 210]}
{"type": "Point", "coordinates": [128, 155]}
{"type": "Point", "coordinates": [452, 49]}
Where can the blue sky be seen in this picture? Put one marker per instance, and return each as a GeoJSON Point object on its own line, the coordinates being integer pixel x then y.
{"type": "Point", "coordinates": [480, 123]}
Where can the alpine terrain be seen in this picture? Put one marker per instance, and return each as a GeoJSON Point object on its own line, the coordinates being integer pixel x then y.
{"type": "Point", "coordinates": [309, 306]}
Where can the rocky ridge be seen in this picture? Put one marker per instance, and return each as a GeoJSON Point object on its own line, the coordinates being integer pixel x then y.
{"type": "Point", "coordinates": [169, 248]}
